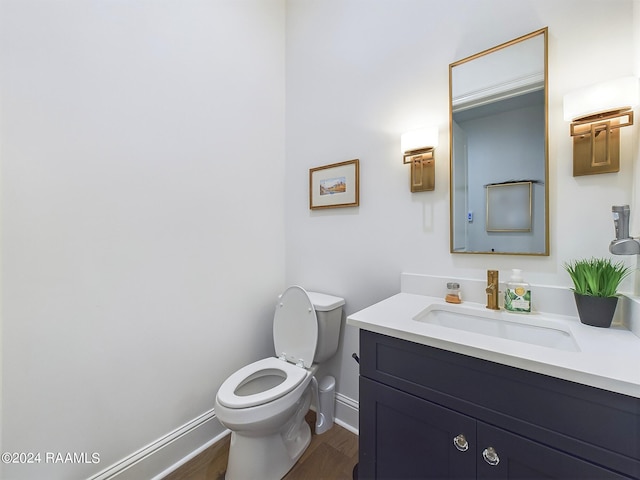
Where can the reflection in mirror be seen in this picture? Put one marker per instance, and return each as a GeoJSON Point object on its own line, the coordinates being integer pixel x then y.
{"type": "Point", "coordinates": [498, 121]}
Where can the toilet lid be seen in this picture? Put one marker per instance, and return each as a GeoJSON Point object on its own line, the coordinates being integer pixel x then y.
{"type": "Point", "coordinates": [295, 327]}
{"type": "Point", "coordinates": [232, 395]}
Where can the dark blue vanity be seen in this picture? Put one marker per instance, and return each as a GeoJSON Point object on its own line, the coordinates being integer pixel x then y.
{"type": "Point", "coordinates": [429, 413]}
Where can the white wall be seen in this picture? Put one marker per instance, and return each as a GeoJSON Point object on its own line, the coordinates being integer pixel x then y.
{"type": "Point", "coordinates": [361, 72]}
{"type": "Point", "coordinates": [142, 149]}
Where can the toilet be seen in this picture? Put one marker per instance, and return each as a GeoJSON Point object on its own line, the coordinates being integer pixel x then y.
{"type": "Point", "coordinates": [265, 402]}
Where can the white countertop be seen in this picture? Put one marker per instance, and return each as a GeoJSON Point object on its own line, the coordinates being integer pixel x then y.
{"type": "Point", "coordinates": [608, 358]}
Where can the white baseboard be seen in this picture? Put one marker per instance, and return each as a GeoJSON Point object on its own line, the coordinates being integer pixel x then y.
{"type": "Point", "coordinates": [159, 458]}
{"type": "Point", "coordinates": [346, 414]}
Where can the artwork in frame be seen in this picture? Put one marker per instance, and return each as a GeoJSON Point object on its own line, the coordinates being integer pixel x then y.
{"type": "Point", "coordinates": [335, 185]}
{"type": "Point", "coordinates": [509, 207]}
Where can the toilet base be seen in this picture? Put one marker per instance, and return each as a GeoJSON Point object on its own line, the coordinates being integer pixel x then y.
{"type": "Point", "coordinates": [269, 457]}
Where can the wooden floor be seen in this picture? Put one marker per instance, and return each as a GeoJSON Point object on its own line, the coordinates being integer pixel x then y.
{"type": "Point", "coordinates": [330, 456]}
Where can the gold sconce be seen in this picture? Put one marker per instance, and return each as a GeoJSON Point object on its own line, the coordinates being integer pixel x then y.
{"type": "Point", "coordinates": [418, 148]}
{"type": "Point", "coordinates": [596, 114]}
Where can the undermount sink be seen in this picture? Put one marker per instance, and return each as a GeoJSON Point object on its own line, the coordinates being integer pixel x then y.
{"type": "Point", "coordinates": [533, 329]}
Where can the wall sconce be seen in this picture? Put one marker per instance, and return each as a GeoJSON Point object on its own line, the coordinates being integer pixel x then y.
{"type": "Point", "coordinates": [418, 148]}
{"type": "Point", "coordinates": [596, 114]}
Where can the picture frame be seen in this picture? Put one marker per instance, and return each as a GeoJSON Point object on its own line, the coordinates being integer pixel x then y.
{"type": "Point", "coordinates": [335, 186]}
{"type": "Point", "coordinates": [509, 207]}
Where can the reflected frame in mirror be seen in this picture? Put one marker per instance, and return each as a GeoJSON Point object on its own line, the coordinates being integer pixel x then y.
{"type": "Point", "coordinates": [505, 87]}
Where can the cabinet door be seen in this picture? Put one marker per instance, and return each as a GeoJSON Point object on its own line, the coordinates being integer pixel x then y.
{"type": "Point", "coordinates": [504, 455]}
{"type": "Point", "coordinates": [403, 436]}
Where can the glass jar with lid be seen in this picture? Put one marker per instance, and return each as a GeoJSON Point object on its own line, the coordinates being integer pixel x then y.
{"type": "Point", "coordinates": [453, 293]}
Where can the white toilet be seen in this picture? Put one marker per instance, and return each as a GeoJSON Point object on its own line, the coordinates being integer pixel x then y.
{"type": "Point", "coordinates": [264, 403]}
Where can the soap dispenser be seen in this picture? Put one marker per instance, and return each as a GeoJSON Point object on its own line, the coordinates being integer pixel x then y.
{"type": "Point", "coordinates": [517, 295]}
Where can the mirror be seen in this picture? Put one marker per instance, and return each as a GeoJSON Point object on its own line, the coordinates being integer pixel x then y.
{"type": "Point", "coordinates": [499, 198]}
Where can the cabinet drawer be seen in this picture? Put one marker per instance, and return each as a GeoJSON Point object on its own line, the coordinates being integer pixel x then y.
{"type": "Point", "coordinates": [515, 457]}
{"type": "Point", "coordinates": [405, 437]}
{"type": "Point", "coordinates": [595, 424]}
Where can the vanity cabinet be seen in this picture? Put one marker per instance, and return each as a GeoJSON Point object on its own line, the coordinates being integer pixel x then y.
{"type": "Point", "coordinates": [427, 413]}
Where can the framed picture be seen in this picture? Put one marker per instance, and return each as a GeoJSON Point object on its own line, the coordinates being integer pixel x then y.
{"type": "Point", "coordinates": [335, 185]}
{"type": "Point", "coordinates": [509, 207]}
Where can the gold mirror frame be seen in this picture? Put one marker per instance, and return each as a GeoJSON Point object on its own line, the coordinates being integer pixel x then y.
{"type": "Point", "coordinates": [541, 182]}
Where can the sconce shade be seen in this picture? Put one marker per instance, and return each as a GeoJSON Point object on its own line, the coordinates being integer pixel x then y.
{"type": "Point", "coordinates": [419, 139]}
{"type": "Point", "coordinates": [603, 97]}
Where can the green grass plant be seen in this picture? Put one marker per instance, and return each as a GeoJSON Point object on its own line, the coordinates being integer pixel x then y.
{"type": "Point", "coordinates": [596, 277]}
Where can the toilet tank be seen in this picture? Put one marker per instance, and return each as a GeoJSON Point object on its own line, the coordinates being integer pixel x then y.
{"type": "Point", "coordinates": [329, 313]}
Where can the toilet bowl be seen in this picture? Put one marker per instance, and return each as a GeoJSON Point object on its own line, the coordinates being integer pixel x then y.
{"type": "Point", "coordinates": [265, 402]}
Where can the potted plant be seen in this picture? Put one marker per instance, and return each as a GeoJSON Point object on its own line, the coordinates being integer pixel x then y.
{"type": "Point", "coordinates": [596, 283]}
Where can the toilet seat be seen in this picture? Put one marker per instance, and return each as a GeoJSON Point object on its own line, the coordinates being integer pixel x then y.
{"type": "Point", "coordinates": [292, 376]}
{"type": "Point", "coordinates": [295, 327]}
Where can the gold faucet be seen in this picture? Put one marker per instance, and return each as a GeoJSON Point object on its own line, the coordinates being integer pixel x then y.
{"type": "Point", "coordinates": [492, 290]}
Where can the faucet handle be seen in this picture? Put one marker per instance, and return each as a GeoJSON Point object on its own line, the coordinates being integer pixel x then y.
{"type": "Point", "coordinates": [492, 289]}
